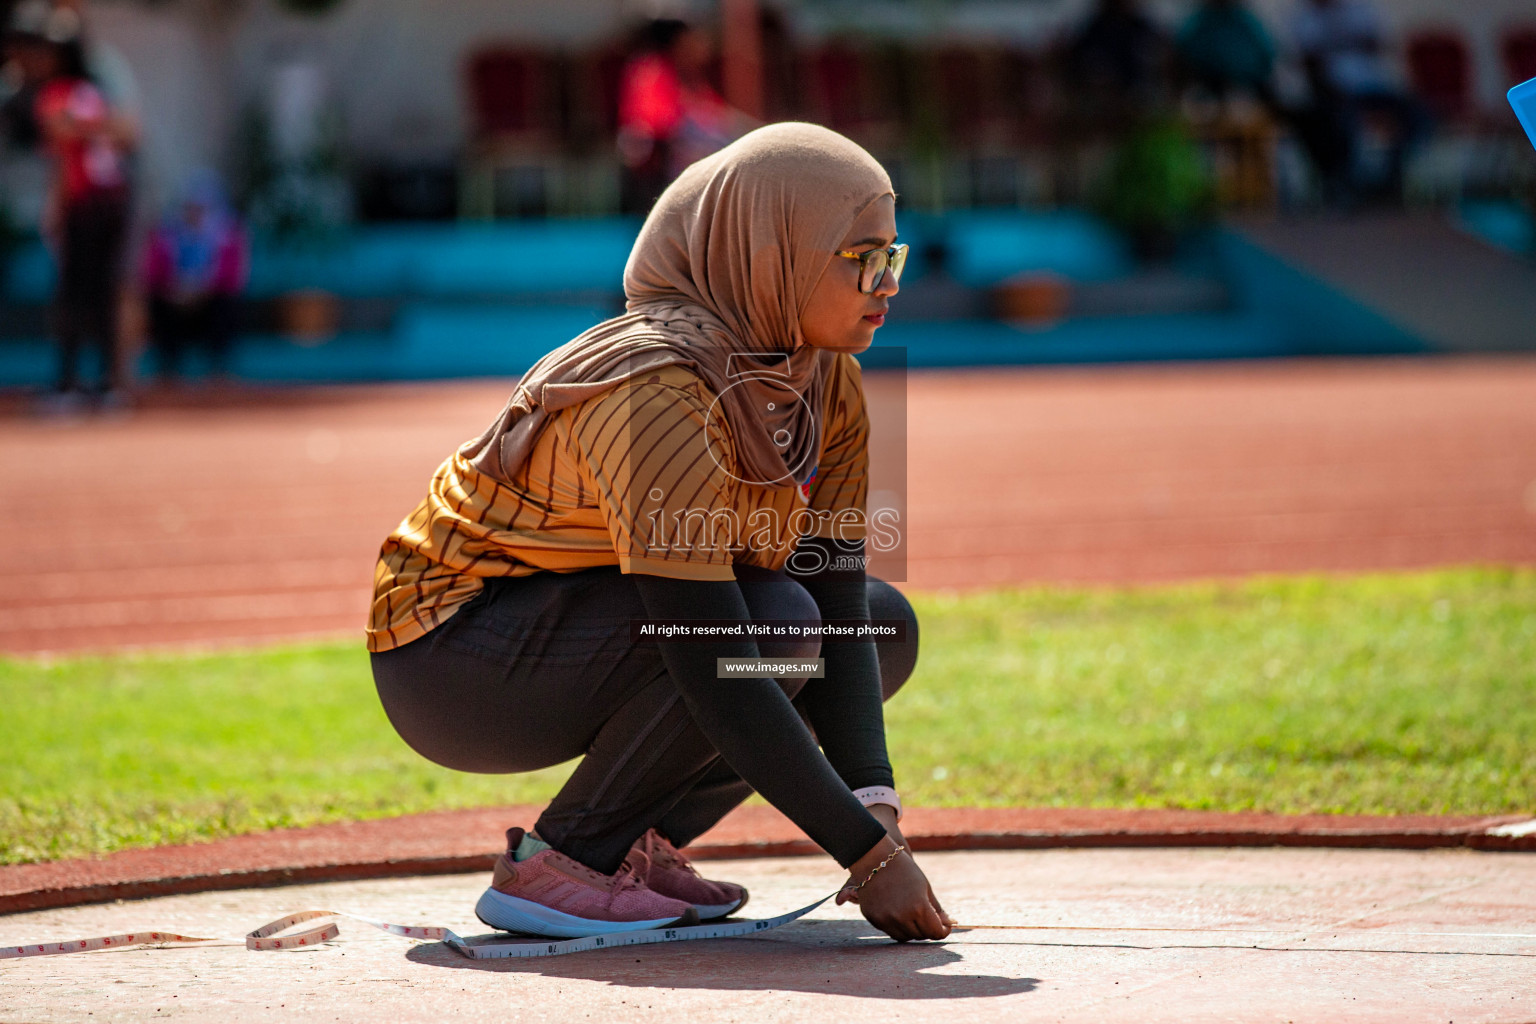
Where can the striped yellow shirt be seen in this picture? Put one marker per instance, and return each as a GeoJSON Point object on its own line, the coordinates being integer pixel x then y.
{"type": "Point", "coordinates": [642, 477]}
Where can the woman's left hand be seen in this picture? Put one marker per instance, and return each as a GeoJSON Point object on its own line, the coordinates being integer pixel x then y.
{"type": "Point", "coordinates": [885, 814]}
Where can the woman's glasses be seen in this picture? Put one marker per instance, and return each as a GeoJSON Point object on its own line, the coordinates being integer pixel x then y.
{"type": "Point", "coordinates": [874, 263]}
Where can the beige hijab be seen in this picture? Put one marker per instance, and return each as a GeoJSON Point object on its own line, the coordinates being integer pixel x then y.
{"type": "Point", "coordinates": [716, 282]}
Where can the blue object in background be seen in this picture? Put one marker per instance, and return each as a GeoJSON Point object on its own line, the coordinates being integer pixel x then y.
{"type": "Point", "coordinates": [29, 274]}
{"type": "Point", "coordinates": [475, 300]}
{"type": "Point", "coordinates": [1503, 223]}
{"type": "Point", "coordinates": [435, 261]}
{"type": "Point", "coordinates": [1523, 98]}
{"type": "Point", "coordinates": [989, 246]}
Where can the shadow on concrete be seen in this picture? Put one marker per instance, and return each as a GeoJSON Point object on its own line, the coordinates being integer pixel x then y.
{"type": "Point", "coordinates": [832, 957]}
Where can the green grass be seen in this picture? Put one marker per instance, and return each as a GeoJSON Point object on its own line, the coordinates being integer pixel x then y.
{"type": "Point", "coordinates": [1378, 694]}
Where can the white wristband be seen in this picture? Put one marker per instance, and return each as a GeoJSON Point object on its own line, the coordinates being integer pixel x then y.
{"type": "Point", "coordinates": [879, 795]}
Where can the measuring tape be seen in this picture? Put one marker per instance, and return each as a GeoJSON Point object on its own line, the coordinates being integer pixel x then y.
{"type": "Point", "coordinates": [498, 946]}
{"type": "Point", "coordinates": [477, 947]}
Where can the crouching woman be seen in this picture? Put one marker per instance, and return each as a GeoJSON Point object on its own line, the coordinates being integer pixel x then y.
{"type": "Point", "coordinates": [694, 458]}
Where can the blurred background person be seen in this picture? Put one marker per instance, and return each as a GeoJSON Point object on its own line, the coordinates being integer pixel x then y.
{"type": "Point", "coordinates": [670, 113]}
{"type": "Point", "coordinates": [650, 110]}
{"type": "Point", "coordinates": [1340, 44]}
{"type": "Point", "coordinates": [196, 265]}
{"type": "Point", "coordinates": [26, 32]}
{"type": "Point", "coordinates": [1118, 62]}
{"type": "Point", "coordinates": [708, 123]}
{"type": "Point", "coordinates": [1224, 49]}
{"type": "Point", "coordinates": [106, 66]}
{"type": "Point", "coordinates": [86, 215]}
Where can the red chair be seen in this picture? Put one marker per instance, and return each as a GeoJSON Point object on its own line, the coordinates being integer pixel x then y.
{"type": "Point", "coordinates": [1030, 87]}
{"type": "Point", "coordinates": [781, 60]}
{"type": "Point", "coordinates": [594, 81]}
{"type": "Point", "coordinates": [847, 91]}
{"type": "Point", "coordinates": [1440, 71]}
{"type": "Point", "coordinates": [836, 97]}
{"type": "Point", "coordinates": [1518, 48]}
{"type": "Point", "coordinates": [513, 92]}
{"type": "Point", "coordinates": [981, 96]}
{"type": "Point", "coordinates": [965, 95]}
{"type": "Point", "coordinates": [514, 106]}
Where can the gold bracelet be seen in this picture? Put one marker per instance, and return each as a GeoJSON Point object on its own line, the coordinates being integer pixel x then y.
{"type": "Point", "coordinates": [850, 891]}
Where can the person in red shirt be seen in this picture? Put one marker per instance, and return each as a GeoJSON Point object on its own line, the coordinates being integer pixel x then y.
{"type": "Point", "coordinates": [670, 114]}
{"type": "Point", "coordinates": [650, 107]}
{"type": "Point", "coordinates": [86, 221]}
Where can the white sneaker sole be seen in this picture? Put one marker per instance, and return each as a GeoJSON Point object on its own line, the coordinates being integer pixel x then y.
{"type": "Point", "coordinates": [709, 912]}
{"type": "Point", "coordinates": [514, 914]}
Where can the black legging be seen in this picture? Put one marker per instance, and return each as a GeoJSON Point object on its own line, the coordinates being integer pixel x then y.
{"type": "Point", "coordinates": [536, 670]}
{"type": "Point", "coordinates": [85, 306]}
{"type": "Point", "coordinates": [210, 321]}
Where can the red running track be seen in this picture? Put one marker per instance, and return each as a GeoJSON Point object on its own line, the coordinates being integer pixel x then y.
{"type": "Point", "coordinates": [227, 518]}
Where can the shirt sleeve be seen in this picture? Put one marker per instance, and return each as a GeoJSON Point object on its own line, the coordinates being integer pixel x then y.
{"type": "Point", "coordinates": [664, 469]}
{"type": "Point", "coordinates": [751, 722]}
{"type": "Point", "coordinates": [840, 491]}
{"type": "Point", "coordinates": [845, 705]}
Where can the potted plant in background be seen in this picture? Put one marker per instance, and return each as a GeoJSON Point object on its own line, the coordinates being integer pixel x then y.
{"type": "Point", "coordinates": [294, 187]}
{"type": "Point", "coordinates": [295, 183]}
{"type": "Point", "coordinates": [1157, 189]}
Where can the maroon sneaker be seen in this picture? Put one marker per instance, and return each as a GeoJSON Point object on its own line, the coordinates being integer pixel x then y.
{"type": "Point", "coordinates": [552, 894]}
{"type": "Point", "coordinates": [665, 869]}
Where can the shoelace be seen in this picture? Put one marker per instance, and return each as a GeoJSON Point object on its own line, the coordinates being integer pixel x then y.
{"type": "Point", "coordinates": [676, 857]}
{"type": "Point", "coordinates": [627, 877]}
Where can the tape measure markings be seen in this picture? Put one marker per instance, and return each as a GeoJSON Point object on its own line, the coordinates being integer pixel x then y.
{"type": "Point", "coordinates": [478, 947]}
{"type": "Point", "coordinates": [499, 948]}
{"type": "Point", "coordinates": [100, 942]}
{"type": "Point", "coordinates": [494, 946]}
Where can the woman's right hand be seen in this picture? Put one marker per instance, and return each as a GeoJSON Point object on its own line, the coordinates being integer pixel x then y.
{"type": "Point", "coordinates": [898, 899]}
